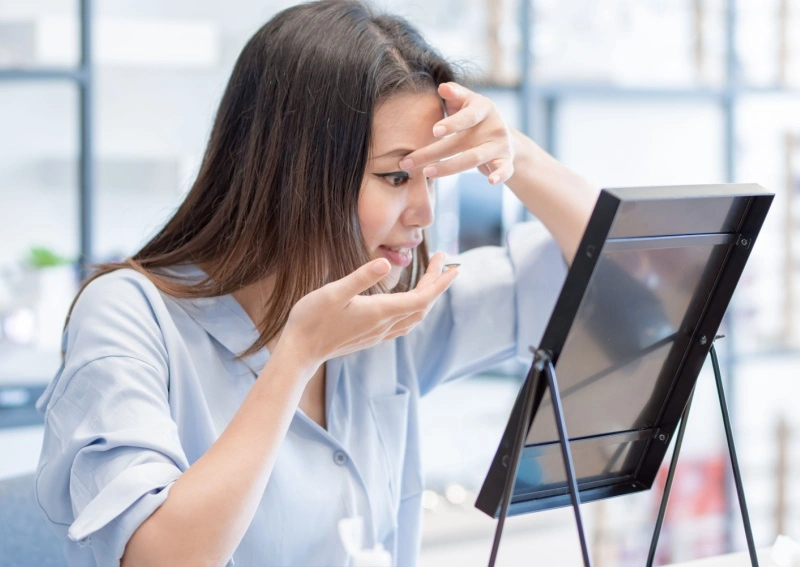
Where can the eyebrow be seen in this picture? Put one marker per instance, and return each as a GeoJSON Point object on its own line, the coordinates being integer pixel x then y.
{"type": "Point", "coordinates": [399, 152]}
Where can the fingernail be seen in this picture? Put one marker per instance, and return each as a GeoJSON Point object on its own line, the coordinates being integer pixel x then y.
{"type": "Point", "coordinates": [439, 130]}
{"type": "Point", "coordinates": [430, 171]}
{"type": "Point", "coordinates": [381, 267]}
{"type": "Point", "coordinates": [406, 164]}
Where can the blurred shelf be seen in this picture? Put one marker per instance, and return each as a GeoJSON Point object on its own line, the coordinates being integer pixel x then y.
{"type": "Point", "coordinates": [38, 39]}
{"type": "Point", "coordinates": [679, 93]}
{"type": "Point", "coordinates": [565, 90]}
{"type": "Point", "coordinates": [133, 42]}
{"type": "Point", "coordinates": [611, 91]}
{"type": "Point", "coordinates": [134, 174]}
{"type": "Point", "coordinates": [18, 405]}
{"type": "Point", "coordinates": [43, 74]}
{"type": "Point", "coordinates": [27, 365]}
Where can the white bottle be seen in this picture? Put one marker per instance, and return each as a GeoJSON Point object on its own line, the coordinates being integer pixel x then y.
{"type": "Point", "coordinates": [375, 557]}
{"type": "Point", "coordinates": [351, 532]}
{"type": "Point", "coordinates": [785, 552]}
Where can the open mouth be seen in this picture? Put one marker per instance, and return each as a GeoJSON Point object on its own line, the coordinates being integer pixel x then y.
{"type": "Point", "coordinates": [398, 256]}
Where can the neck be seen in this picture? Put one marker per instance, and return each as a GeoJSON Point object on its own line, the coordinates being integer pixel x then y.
{"type": "Point", "coordinates": [253, 299]}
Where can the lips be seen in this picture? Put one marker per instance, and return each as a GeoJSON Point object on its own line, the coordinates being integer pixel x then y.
{"type": "Point", "coordinates": [399, 256]}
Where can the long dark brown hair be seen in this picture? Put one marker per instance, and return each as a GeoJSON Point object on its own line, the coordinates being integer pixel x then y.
{"type": "Point", "coordinates": [278, 187]}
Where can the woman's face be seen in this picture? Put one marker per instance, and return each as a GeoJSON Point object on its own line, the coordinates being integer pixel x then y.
{"type": "Point", "coordinates": [394, 206]}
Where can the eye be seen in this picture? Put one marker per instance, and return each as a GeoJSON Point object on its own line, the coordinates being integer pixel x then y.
{"type": "Point", "coordinates": [394, 178]}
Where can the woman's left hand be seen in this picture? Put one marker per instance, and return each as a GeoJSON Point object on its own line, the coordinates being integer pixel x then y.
{"type": "Point", "coordinates": [473, 134]}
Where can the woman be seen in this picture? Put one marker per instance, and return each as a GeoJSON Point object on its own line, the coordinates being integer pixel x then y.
{"type": "Point", "coordinates": [244, 381]}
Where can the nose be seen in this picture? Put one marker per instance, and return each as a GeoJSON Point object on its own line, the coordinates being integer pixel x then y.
{"type": "Point", "coordinates": [419, 205]}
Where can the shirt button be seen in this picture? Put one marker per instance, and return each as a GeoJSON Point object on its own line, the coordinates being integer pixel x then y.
{"type": "Point", "coordinates": [339, 458]}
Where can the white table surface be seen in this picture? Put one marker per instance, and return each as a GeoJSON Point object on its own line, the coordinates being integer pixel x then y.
{"type": "Point", "coordinates": [731, 560]}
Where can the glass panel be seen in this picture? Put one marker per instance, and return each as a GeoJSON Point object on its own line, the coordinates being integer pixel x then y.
{"type": "Point", "coordinates": [648, 43]}
{"type": "Point", "coordinates": [767, 43]}
{"type": "Point", "coordinates": [155, 102]}
{"type": "Point", "coordinates": [38, 226]}
{"type": "Point", "coordinates": [39, 33]}
{"type": "Point", "coordinates": [483, 36]}
{"type": "Point", "coordinates": [593, 461]}
{"type": "Point", "coordinates": [767, 300]}
{"type": "Point", "coordinates": [641, 303]}
{"type": "Point", "coordinates": [636, 142]}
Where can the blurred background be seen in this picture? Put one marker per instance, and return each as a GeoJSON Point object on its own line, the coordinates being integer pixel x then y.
{"type": "Point", "coordinates": [106, 107]}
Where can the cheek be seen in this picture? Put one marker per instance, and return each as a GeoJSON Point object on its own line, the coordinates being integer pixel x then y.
{"type": "Point", "coordinates": [377, 217]}
{"type": "Point", "coordinates": [368, 225]}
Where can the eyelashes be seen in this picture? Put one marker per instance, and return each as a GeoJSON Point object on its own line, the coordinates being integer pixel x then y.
{"type": "Point", "coordinates": [394, 178]}
{"type": "Point", "coordinates": [398, 178]}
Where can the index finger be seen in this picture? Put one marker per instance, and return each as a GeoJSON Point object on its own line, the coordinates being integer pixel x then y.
{"type": "Point", "coordinates": [470, 115]}
{"type": "Point", "coordinates": [419, 298]}
{"type": "Point", "coordinates": [432, 153]}
{"type": "Point", "coordinates": [435, 266]}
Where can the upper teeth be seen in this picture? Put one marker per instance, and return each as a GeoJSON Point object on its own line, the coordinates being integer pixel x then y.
{"type": "Point", "coordinates": [399, 250]}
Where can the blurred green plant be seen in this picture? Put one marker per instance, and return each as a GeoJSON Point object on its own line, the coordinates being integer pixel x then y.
{"type": "Point", "coordinates": [40, 257]}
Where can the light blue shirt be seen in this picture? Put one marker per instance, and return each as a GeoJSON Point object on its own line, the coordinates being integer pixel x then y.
{"type": "Point", "coordinates": [150, 381]}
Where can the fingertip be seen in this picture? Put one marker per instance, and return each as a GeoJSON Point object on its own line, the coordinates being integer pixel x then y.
{"type": "Point", "coordinates": [381, 266]}
{"type": "Point", "coordinates": [454, 88]}
{"type": "Point", "coordinates": [501, 175]}
{"type": "Point", "coordinates": [437, 257]}
{"type": "Point", "coordinates": [451, 273]}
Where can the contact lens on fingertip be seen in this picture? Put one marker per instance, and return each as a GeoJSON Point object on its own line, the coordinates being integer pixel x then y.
{"type": "Point", "coordinates": [452, 265]}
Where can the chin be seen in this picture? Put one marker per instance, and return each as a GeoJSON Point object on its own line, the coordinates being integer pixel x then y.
{"type": "Point", "coordinates": [391, 280]}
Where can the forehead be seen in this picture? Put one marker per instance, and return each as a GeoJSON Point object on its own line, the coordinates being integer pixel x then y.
{"type": "Point", "coordinates": [404, 122]}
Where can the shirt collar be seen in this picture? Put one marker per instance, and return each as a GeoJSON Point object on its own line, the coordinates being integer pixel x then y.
{"type": "Point", "coordinates": [225, 319]}
{"type": "Point", "coordinates": [222, 317]}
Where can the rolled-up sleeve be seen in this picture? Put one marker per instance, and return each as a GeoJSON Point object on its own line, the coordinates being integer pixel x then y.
{"type": "Point", "coordinates": [111, 449]}
{"type": "Point", "coordinates": [497, 308]}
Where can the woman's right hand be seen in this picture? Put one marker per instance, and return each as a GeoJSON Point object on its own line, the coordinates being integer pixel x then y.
{"type": "Point", "coordinates": [336, 320]}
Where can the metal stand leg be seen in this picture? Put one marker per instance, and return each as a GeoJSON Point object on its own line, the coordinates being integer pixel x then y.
{"type": "Point", "coordinates": [563, 439]}
{"type": "Point", "coordinates": [542, 363]}
{"type": "Point", "coordinates": [516, 450]}
{"type": "Point", "coordinates": [737, 476]}
{"type": "Point", "coordinates": [668, 484]}
{"type": "Point", "coordinates": [734, 463]}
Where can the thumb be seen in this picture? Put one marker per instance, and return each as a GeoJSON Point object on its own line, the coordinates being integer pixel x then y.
{"type": "Point", "coordinates": [363, 278]}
